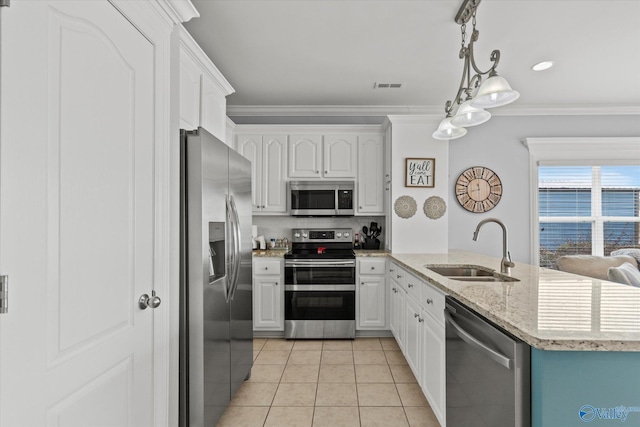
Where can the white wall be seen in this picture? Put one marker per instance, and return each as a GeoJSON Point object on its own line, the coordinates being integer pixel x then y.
{"type": "Point", "coordinates": [497, 145]}
{"type": "Point", "coordinates": [411, 137]}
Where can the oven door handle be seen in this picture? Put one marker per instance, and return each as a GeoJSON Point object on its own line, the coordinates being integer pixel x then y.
{"type": "Point", "coordinates": [322, 288]}
{"type": "Point", "coordinates": [349, 263]}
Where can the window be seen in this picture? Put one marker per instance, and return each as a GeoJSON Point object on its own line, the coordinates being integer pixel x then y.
{"type": "Point", "coordinates": [585, 196]}
{"type": "Point", "coordinates": [589, 210]}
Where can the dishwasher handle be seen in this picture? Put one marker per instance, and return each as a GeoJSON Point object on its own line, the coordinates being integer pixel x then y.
{"type": "Point", "coordinates": [474, 342]}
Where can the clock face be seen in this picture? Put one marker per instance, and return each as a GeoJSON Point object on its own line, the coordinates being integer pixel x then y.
{"type": "Point", "coordinates": [478, 189]}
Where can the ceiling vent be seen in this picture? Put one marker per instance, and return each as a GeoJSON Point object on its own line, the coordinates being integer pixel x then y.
{"type": "Point", "coordinates": [377, 85]}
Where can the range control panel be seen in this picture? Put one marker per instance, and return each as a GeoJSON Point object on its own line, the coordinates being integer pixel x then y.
{"type": "Point", "coordinates": [337, 235]}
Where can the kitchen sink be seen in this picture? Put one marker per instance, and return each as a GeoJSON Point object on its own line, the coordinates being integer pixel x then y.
{"type": "Point", "coordinates": [473, 273]}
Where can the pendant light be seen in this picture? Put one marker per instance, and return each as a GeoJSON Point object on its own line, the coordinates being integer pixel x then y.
{"type": "Point", "coordinates": [494, 91]}
{"type": "Point", "coordinates": [447, 130]}
{"type": "Point", "coordinates": [470, 115]}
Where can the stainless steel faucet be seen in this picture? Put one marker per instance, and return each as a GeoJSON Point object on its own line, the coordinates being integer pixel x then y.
{"type": "Point", "coordinates": [506, 263]}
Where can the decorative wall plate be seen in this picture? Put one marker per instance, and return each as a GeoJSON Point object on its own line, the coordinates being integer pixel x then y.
{"type": "Point", "coordinates": [405, 206]}
{"type": "Point", "coordinates": [478, 189]}
{"type": "Point", "coordinates": [434, 207]}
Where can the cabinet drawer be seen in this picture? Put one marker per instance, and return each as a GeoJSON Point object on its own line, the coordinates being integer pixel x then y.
{"type": "Point", "coordinates": [413, 285]}
{"type": "Point", "coordinates": [372, 266]}
{"type": "Point", "coordinates": [400, 276]}
{"type": "Point", "coordinates": [266, 267]}
{"type": "Point", "coordinates": [433, 302]}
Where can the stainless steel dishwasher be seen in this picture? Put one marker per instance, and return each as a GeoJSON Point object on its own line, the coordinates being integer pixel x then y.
{"type": "Point", "coordinates": [488, 372]}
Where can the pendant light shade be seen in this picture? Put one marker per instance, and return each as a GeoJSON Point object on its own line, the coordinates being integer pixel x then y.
{"type": "Point", "coordinates": [447, 130]}
{"type": "Point", "coordinates": [494, 92]}
{"type": "Point", "coordinates": [468, 115]}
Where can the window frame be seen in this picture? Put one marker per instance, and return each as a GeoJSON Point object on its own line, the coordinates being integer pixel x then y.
{"type": "Point", "coordinates": [575, 151]}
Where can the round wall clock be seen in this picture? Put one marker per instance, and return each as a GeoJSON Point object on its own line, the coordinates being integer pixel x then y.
{"type": "Point", "coordinates": [478, 189]}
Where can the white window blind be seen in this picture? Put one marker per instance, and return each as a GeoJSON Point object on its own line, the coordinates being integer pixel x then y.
{"type": "Point", "coordinates": [590, 210]}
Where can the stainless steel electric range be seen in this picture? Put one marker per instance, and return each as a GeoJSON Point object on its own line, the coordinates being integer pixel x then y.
{"type": "Point", "coordinates": [320, 285]}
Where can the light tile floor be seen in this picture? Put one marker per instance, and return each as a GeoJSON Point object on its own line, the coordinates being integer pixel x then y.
{"type": "Point", "coordinates": [362, 383]}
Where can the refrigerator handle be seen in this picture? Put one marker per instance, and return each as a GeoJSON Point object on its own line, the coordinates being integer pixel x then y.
{"type": "Point", "coordinates": [237, 238]}
{"type": "Point", "coordinates": [230, 250]}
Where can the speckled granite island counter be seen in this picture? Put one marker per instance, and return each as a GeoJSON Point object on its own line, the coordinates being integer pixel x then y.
{"type": "Point", "coordinates": [584, 333]}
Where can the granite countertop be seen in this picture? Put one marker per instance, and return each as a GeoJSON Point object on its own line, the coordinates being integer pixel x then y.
{"type": "Point", "coordinates": [371, 252]}
{"type": "Point", "coordinates": [548, 309]}
{"type": "Point", "coordinates": [269, 253]}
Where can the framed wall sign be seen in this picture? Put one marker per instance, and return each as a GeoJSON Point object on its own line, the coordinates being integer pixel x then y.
{"type": "Point", "coordinates": [420, 173]}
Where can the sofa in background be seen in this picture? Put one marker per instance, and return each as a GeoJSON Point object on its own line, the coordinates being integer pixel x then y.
{"type": "Point", "coordinates": [622, 266]}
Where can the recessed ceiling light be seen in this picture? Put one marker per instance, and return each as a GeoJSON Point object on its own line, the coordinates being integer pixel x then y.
{"type": "Point", "coordinates": [540, 66]}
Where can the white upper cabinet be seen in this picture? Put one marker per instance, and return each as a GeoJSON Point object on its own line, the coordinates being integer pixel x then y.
{"type": "Point", "coordinates": [268, 156]}
{"type": "Point", "coordinates": [203, 90]}
{"type": "Point", "coordinates": [323, 156]}
{"type": "Point", "coordinates": [340, 153]}
{"type": "Point", "coordinates": [305, 159]}
{"type": "Point", "coordinates": [370, 175]}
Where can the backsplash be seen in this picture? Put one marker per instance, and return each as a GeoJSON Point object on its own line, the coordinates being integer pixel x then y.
{"type": "Point", "coordinates": [281, 226]}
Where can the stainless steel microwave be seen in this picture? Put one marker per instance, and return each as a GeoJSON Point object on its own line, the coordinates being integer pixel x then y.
{"type": "Point", "coordinates": [321, 198]}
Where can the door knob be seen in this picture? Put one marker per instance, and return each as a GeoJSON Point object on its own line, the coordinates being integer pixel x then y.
{"type": "Point", "coordinates": [152, 302]}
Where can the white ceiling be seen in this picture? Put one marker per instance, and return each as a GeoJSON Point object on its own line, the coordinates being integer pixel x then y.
{"type": "Point", "coordinates": [322, 57]}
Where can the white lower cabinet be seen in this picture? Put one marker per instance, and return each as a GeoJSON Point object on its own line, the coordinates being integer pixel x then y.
{"type": "Point", "coordinates": [268, 295]}
{"type": "Point", "coordinates": [371, 289]}
{"type": "Point", "coordinates": [413, 336]}
{"type": "Point", "coordinates": [417, 323]}
{"type": "Point", "coordinates": [433, 378]}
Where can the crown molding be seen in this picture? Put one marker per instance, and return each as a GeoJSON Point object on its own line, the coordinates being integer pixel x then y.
{"type": "Point", "coordinates": [301, 129]}
{"type": "Point", "coordinates": [328, 110]}
{"type": "Point", "coordinates": [179, 10]}
{"type": "Point", "coordinates": [193, 49]}
{"type": "Point", "coordinates": [386, 110]}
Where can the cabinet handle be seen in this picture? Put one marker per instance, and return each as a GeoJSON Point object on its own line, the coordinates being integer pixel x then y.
{"type": "Point", "coordinates": [325, 171]}
{"type": "Point", "coordinates": [391, 270]}
{"type": "Point", "coordinates": [429, 301]}
{"type": "Point", "coordinates": [399, 276]}
{"type": "Point", "coordinates": [420, 320]}
{"type": "Point", "coordinates": [373, 267]}
{"type": "Point", "coordinates": [410, 285]}
{"type": "Point", "coordinates": [276, 283]}
{"type": "Point", "coordinates": [415, 315]}
{"type": "Point", "coordinates": [317, 171]}
{"type": "Point", "coordinates": [395, 290]}
{"type": "Point", "coordinates": [361, 283]}
{"type": "Point", "coordinates": [266, 268]}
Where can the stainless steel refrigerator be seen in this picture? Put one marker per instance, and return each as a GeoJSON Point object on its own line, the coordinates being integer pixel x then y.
{"type": "Point", "coordinates": [216, 332]}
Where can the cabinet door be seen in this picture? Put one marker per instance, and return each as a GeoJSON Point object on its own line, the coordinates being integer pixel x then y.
{"type": "Point", "coordinates": [274, 180]}
{"type": "Point", "coordinates": [213, 108]}
{"type": "Point", "coordinates": [340, 153]}
{"type": "Point", "coordinates": [433, 369]}
{"type": "Point", "coordinates": [250, 146]}
{"type": "Point", "coordinates": [304, 156]}
{"type": "Point", "coordinates": [370, 174]}
{"type": "Point", "coordinates": [413, 340]}
{"type": "Point", "coordinates": [189, 91]}
{"type": "Point", "coordinates": [399, 303]}
{"type": "Point", "coordinates": [268, 296]}
{"type": "Point", "coordinates": [371, 302]}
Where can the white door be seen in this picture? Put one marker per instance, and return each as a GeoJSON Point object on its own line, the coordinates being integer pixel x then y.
{"type": "Point", "coordinates": [250, 146]}
{"type": "Point", "coordinates": [371, 302]}
{"type": "Point", "coordinates": [340, 156]}
{"type": "Point", "coordinates": [76, 216]}
{"type": "Point", "coordinates": [304, 156]}
{"type": "Point", "coordinates": [274, 185]}
{"type": "Point", "coordinates": [370, 174]}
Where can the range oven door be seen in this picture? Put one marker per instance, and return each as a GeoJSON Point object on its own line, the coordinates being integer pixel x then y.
{"type": "Point", "coordinates": [320, 302]}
